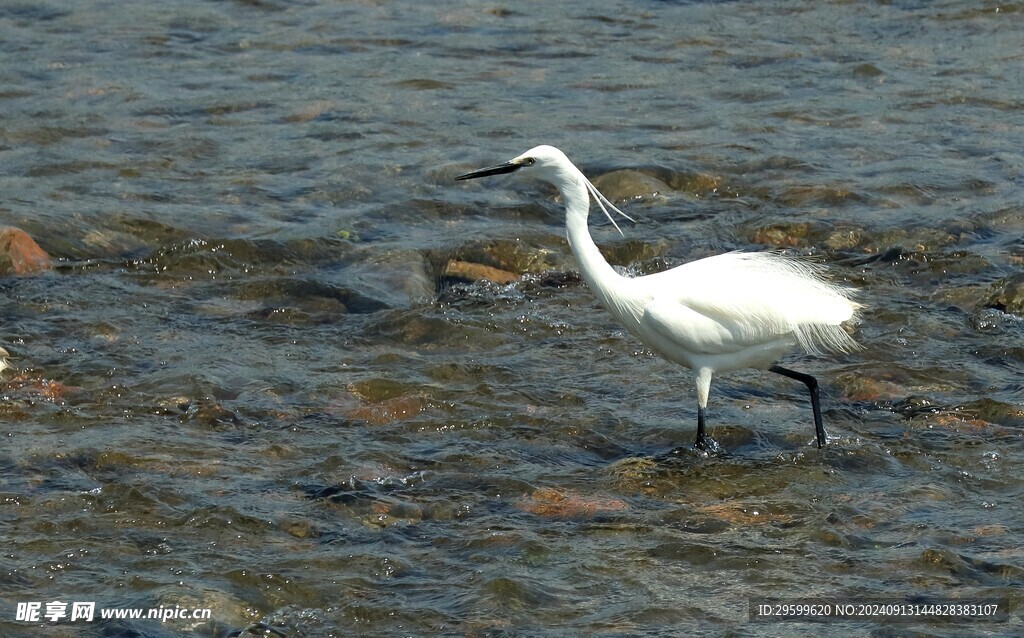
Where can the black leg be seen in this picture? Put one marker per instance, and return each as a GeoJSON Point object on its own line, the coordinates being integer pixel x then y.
{"type": "Point", "coordinates": [704, 443]}
{"type": "Point", "coordinates": [701, 443]}
{"type": "Point", "coordinates": [812, 386]}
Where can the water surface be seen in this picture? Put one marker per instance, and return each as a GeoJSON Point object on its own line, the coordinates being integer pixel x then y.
{"type": "Point", "coordinates": [249, 386]}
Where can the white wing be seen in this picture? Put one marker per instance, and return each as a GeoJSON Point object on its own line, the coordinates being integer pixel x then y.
{"type": "Point", "coordinates": [737, 300]}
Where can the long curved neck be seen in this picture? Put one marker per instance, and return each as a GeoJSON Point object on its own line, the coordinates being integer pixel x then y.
{"type": "Point", "coordinates": [598, 274]}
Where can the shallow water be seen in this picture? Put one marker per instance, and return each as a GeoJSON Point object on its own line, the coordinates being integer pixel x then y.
{"type": "Point", "coordinates": [249, 386]}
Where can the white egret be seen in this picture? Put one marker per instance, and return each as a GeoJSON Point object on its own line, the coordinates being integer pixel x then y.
{"type": "Point", "coordinates": [727, 312]}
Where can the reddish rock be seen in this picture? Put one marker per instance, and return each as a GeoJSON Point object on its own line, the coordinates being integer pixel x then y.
{"type": "Point", "coordinates": [739, 514]}
{"type": "Point", "coordinates": [395, 409]}
{"type": "Point", "coordinates": [954, 420]}
{"type": "Point", "coordinates": [475, 272]}
{"type": "Point", "coordinates": [20, 254]}
{"type": "Point", "coordinates": [553, 503]}
{"type": "Point", "coordinates": [25, 386]}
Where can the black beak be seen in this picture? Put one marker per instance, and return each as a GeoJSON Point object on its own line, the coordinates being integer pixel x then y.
{"type": "Point", "coordinates": [500, 169]}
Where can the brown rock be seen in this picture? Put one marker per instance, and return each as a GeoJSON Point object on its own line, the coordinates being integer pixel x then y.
{"type": "Point", "coordinates": [954, 421]}
{"type": "Point", "coordinates": [391, 410]}
{"type": "Point", "coordinates": [475, 272]}
{"type": "Point", "coordinates": [786, 234]}
{"type": "Point", "coordinates": [737, 514]}
{"type": "Point", "coordinates": [20, 254]}
{"type": "Point", "coordinates": [553, 503]}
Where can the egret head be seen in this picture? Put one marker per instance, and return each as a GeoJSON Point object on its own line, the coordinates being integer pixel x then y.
{"type": "Point", "coordinates": [549, 164]}
{"type": "Point", "coordinates": [543, 162]}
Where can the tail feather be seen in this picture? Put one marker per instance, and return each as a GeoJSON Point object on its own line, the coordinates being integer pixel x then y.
{"type": "Point", "coordinates": [818, 338]}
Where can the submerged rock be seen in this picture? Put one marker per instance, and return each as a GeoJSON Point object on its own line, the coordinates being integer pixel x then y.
{"type": "Point", "coordinates": [20, 254]}
{"type": "Point", "coordinates": [390, 410]}
{"type": "Point", "coordinates": [627, 184]}
{"type": "Point", "coordinates": [697, 184]}
{"type": "Point", "coordinates": [625, 253]}
{"type": "Point", "coordinates": [801, 234]}
{"type": "Point", "coordinates": [993, 411]}
{"type": "Point", "coordinates": [1007, 295]}
{"type": "Point", "coordinates": [815, 195]}
{"type": "Point", "coordinates": [498, 260]}
{"type": "Point", "coordinates": [208, 413]}
{"type": "Point", "coordinates": [788, 234]}
{"type": "Point", "coordinates": [867, 71]}
{"type": "Point", "coordinates": [395, 278]}
{"type": "Point", "coordinates": [919, 239]}
{"type": "Point", "coordinates": [310, 111]}
{"type": "Point", "coordinates": [30, 388]}
{"type": "Point", "coordinates": [553, 503]}
{"type": "Point", "coordinates": [742, 515]}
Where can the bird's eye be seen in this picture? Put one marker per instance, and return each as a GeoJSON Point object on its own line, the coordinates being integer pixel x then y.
{"type": "Point", "coordinates": [529, 161]}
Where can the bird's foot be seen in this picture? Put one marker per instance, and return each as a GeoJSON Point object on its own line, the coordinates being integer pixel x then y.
{"type": "Point", "coordinates": [706, 444]}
